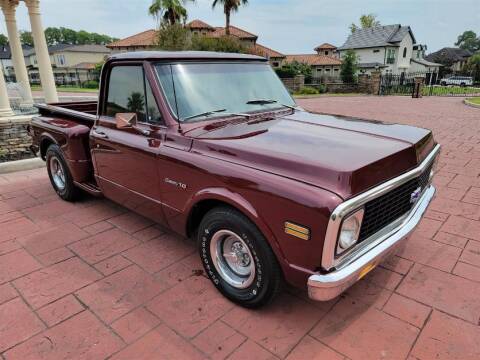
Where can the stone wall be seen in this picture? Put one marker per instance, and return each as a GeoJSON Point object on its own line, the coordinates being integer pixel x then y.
{"type": "Point", "coordinates": [14, 139]}
{"type": "Point", "coordinates": [294, 84]}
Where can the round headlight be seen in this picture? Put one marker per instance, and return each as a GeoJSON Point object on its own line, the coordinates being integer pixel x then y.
{"type": "Point", "coordinates": [350, 230]}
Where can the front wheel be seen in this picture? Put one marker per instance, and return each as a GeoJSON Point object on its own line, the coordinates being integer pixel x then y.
{"type": "Point", "coordinates": [237, 258]}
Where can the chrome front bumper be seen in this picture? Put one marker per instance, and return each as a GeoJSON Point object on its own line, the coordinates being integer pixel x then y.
{"type": "Point", "coordinates": [327, 286]}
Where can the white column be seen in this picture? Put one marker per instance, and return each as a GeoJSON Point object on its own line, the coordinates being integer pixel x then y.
{"type": "Point", "coordinates": [18, 60]}
{"type": "Point", "coordinates": [41, 52]}
{"type": "Point", "coordinates": [5, 109]}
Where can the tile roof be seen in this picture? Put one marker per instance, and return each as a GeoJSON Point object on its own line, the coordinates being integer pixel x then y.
{"type": "Point", "coordinates": [266, 52]}
{"type": "Point", "coordinates": [199, 24]}
{"type": "Point", "coordinates": [85, 66]}
{"type": "Point", "coordinates": [88, 48]}
{"type": "Point", "coordinates": [371, 65]}
{"type": "Point", "coordinates": [425, 62]}
{"type": "Point", "coordinates": [325, 46]}
{"type": "Point", "coordinates": [240, 33]}
{"type": "Point", "coordinates": [145, 38]}
{"type": "Point", "coordinates": [388, 35]}
{"type": "Point", "coordinates": [447, 55]}
{"type": "Point", "coordinates": [314, 59]}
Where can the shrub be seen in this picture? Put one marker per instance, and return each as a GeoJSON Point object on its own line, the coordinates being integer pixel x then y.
{"type": "Point", "coordinates": [285, 73]}
{"type": "Point", "coordinates": [91, 84]}
{"type": "Point", "coordinates": [174, 38]}
{"type": "Point", "coordinates": [221, 44]}
{"type": "Point", "coordinates": [307, 90]}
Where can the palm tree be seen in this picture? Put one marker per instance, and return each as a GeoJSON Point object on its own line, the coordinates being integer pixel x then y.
{"type": "Point", "coordinates": [170, 11]}
{"type": "Point", "coordinates": [228, 7]}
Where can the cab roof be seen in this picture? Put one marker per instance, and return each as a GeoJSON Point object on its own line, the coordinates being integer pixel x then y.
{"type": "Point", "coordinates": [184, 55]}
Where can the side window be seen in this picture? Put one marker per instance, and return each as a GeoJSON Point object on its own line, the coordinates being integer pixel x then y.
{"type": "Point", "coordinates": [154, 116]}
{"type": "Point", "coordinates": [126, 92]}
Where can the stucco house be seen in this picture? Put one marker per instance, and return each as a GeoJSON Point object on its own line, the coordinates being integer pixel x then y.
{"type": "Point", "coordinates": [147, 40]}
{"type": "Point", "coordinates": [388, 48]}
{"type": "Point", "coordinates": [70, 63]}
{"type": "Point", "coordinates": [325, 62]}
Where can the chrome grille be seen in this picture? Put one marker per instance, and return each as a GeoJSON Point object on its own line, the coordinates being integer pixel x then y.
{"type": "Point", "coordinates": [389, 207]}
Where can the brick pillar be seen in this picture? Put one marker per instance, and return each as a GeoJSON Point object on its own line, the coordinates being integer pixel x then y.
{"type": "Point", "coordinates": [418, 86]}
{"type": "Point", "coordinates": [375, 78]}
{"type": "Point", "coordinates": [298, 82]}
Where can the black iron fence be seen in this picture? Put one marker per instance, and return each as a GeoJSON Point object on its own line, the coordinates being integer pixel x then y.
{"type": "Point", "coordinates": [433, 85]}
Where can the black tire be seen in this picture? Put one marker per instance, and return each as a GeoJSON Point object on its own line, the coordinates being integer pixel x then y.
{"type": "Point", "coordinates": [443, 83]}
{"type": "Point", "coordinates": [54, 156]}
{"type": "Point", "coordinates": [268, 276]}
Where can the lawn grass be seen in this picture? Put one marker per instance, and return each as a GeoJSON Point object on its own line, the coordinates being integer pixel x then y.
{"type": "Point", "coordinates": [450, 90]}
{"type": "Point", "coordinates": [67, 89]}
{"type": "Point", "coordinates": [474, 100]}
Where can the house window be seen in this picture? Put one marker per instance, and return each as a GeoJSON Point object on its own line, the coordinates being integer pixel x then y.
{"type": "Point", "coordinates": [404, 52]}
{"type": "Point", "coordinates": [390, 56]}
{"type": "Point", "coordinates": [327, 69]}
{"type": "Point", "coordinates": [326, 53]}
{"type": "Point", "coordinates": [376, 51]}
{"type": "Point", "coordinates": [335, 70]}
{"type": "Point", "coordinates": [276, 64]}
{"type": "Point", "coordinates": [61, 59]}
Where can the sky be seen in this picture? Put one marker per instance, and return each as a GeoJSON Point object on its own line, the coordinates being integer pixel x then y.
{"type": "Point", "coordinates": [287, 26]}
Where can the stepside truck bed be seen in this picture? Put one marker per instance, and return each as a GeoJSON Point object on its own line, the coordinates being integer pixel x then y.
{"type": "Point", "coordinates": [67, 125]}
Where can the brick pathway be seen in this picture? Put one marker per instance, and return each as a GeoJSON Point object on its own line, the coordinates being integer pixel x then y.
{"type": "Point", "coordinates": [91, 280]}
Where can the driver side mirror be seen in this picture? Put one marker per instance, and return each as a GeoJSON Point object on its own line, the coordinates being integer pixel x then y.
{"type": "Point", "coordinates": [125, 120]}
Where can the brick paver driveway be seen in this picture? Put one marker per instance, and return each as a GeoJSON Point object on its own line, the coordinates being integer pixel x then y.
{"type": "Point", "coordinates": [91, 280]}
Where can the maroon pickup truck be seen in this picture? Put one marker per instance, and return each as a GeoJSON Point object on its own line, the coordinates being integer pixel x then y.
{"type": "Point", "coordinates": [213, 147]}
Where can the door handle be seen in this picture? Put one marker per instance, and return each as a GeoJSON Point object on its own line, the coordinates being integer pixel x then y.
{"type": "Point", "coordinates": [100, 134]}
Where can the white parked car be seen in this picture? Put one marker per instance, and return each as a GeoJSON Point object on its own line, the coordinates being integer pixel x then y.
{"type": "Point", "coordinates": [457, 80]}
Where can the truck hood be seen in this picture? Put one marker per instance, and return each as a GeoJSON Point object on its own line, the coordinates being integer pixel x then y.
{"type": "Point", "coordinates": [344, 155]}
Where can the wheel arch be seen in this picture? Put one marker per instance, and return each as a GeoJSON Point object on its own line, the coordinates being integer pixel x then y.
{"type": "Point", "coordinates": [208, 199]}
{"type": "Point", "coordinates": [45, 141]}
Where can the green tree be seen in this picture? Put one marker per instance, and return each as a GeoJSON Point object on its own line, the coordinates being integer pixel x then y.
{"type": "Point", "coordinates": [229, 6]}
{"type": "Point", "coordinates": [136, 102]}
{"type": "Point", "coordinates": [468, 41]}
{"type": "Point", "coordinates": [26, 38]}
{"type": "Point", "coordinates": [473, 67]}
{"type": "Point", "coordinates": [69, 36]}
{"type": "Point", "coordinates": [53, 35]}
{"type": "Point", "coordinates": [173, 37]}
{"type": "Point", "coordinates": [366, 21]}
{"type": "Point", "coordinates": [169, 11]}
{"type": "Point", "coordinates": [349, 68]}
{"type": "Point", "coordinates": [83, 37]}
{"type": "Point", "coordinates": [3, 40]}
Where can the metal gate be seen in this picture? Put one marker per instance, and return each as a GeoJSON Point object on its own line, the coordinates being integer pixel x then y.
{"type": "Point", "coordinates": [397, 84]}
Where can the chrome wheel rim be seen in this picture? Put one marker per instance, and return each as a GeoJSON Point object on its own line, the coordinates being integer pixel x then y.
{"type": "Point", "coordinates": [232, 259]}
{"type": "Point", "coordinates": [58, 175]}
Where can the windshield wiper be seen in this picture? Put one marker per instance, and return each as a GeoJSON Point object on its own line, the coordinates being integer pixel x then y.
{"type": "Point", "coordinates": [212, 112]}
{"type": "Point", "coordinates": [270, 101]}
{"type": "Point", "coordinates": [205, 113]}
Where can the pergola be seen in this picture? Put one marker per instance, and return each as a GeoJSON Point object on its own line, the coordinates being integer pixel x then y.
{"type": "Point", "coordinates": [41, 50]}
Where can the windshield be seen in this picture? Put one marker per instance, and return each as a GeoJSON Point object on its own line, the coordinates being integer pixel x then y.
{"type": "Point", "coordinates": [198, 91]}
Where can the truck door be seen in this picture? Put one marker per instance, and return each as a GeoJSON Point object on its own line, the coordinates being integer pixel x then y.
{"type": "Point", "coordinates": [126, 159]}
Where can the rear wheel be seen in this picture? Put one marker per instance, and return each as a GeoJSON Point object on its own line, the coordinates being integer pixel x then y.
{"type": "Point", "coordinates": [237, 258]}
{"type": "Point", "coordinates": [59, 174]}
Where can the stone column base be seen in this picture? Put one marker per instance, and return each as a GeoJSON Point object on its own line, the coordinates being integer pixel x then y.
{"type": "Point", "coordinates": [14, 138]}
